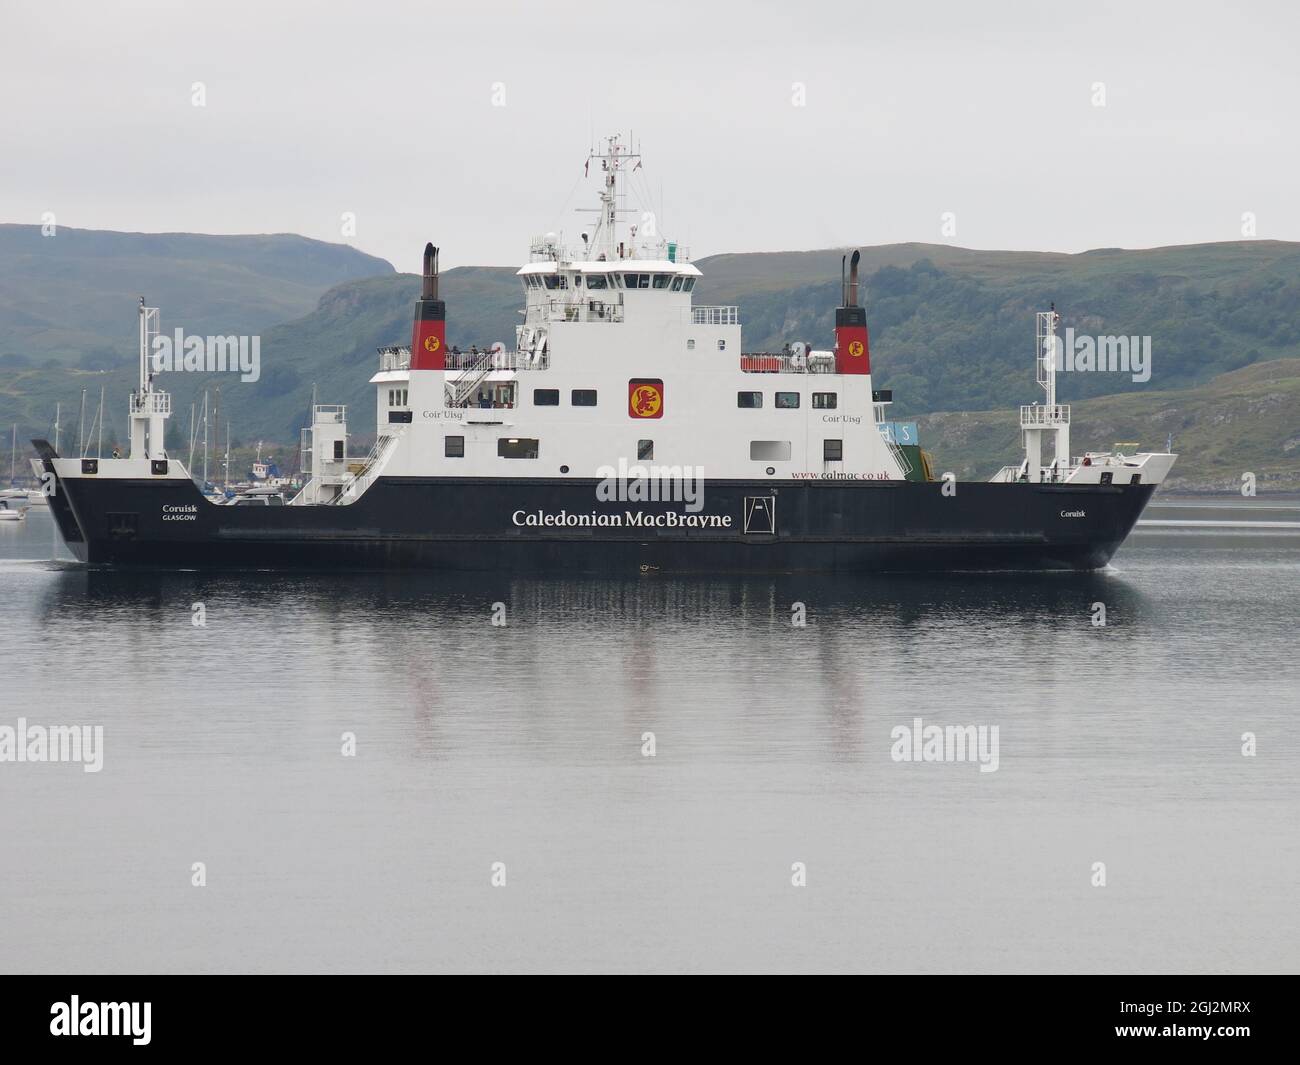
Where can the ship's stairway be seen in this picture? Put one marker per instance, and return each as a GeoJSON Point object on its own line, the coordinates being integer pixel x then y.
{"type": "Point", "coordinates": [459, 392]}
{"type": "Point", "coordinates": [366, 471]}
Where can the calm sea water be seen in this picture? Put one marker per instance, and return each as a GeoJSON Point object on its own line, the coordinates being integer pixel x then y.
{"type": "Point", "coordinates": [523, 745]}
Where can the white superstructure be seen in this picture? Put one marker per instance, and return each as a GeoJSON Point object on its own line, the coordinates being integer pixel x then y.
{"type": "Point", "coordinates": [614, 361]}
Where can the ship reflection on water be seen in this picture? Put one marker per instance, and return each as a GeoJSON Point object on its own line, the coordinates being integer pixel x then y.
{"type": "Point", "coordinates": [527, 743]}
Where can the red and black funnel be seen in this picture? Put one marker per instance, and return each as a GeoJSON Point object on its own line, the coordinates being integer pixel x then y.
{"type": "Point", "coordinates": [852, 347]}
{"type": "Point", "coordinates": [429, 335]}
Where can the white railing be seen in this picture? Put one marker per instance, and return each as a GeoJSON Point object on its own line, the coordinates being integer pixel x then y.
{"type": "Point", "coordinates": [1047, 474]}
{"type": "Point", "coordinates": [151, 403]}
{"type": "Point", "coordinates": [394, 358]}
{"type": "Point", "coordinates": [330, 412]}
{"type": "Point", "coordinates": [715, 315]}
{"type": "Point", "coordinates": [370, 467]}
{"type": "Point", "coordinates": [458, 361]}
{"type": "Point", "coordinates": [1038, 415]}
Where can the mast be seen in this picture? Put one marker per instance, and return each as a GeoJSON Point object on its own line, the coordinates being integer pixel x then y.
{"type": "Point", "coordinates": [13, 454]}
{"type": "Point", "coordinates": [99, 445]}
{"type": "Point", "coordinates": [205, 439]}
{"type": "Point", "coordinates": [226, 464]}
{"type": "Point", "coordinates": [189, 462]}
{"type": "Point", "coordinates": [81, 425]}
{"type": "Point", "coordinates": [614, 161]}
{"type": "Point", "coordinates": [58, 411]}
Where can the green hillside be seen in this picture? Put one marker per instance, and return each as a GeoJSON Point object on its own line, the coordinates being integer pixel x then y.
{"type": "Point", "coordinates": [1247, 420]}
{"type": "Point", "coordinates": [952, 329]}
{"type": "Point", "coordinates": [71, 297]}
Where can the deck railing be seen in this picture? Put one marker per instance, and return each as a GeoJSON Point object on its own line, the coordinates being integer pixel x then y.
{"type": "Point", "coordinates": [715, 315]}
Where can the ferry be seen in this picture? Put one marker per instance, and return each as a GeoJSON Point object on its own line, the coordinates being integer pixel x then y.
{"type": "Point", "coordinates": [627, 431]}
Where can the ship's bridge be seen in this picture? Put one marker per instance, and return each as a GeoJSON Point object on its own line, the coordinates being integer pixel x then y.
{"type": "Point", "coordinates": [599, 290]}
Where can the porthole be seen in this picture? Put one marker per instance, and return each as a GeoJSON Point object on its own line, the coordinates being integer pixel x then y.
{"type": "Point", "coordinates": [564, 469]}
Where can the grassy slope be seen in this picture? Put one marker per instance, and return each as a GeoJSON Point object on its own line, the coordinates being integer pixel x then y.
{"type": "Point", "coordinates": [75, 292]}
{"type": "Point", "coordinates": [1245, 420]}
{"type": "Point", "coordinates": [952, 329]}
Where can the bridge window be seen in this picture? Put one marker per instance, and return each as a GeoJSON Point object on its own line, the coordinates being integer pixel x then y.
{"type": "Point", "coordinates": [637, 280]}
{"type": "Point", "coordinates": [825, 400]}
{"type": "Point", "coordinates": [645, 450]}
{"type": "Point", "coordinates": [688, 284]}
{"type": "Point", "coordinates": [769, 450]}
{"type": "Point", "coordinates": [556, 281]}
{"type": "Point", "coordinates": [454, 447]}
{"type": "Point", "coordinates": [833, 450]}
{"type": "Point", "coordinates": [597, 281]}
{"type": "Point", "coordinates": [584, 397]}
{"type": "Point", "coordinates": [787, 400]}
{"type": "Point", "coordinates": [546, 397]}
{"type": "Point", "coordinates": [661, 280]}
{"type": "Point", "coordinates": [677, 284]}
{"type": "Point", "coordinates": [749, 400]}
{"type": "Point", "coordinates": [514, 448]}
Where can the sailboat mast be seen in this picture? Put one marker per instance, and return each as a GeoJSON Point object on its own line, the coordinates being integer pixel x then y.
{"type": "Point", "coordinates": [205, 439]}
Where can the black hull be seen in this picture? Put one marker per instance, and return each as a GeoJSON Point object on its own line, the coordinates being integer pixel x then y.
{"type": "Point", "coordinates": [477, 525]}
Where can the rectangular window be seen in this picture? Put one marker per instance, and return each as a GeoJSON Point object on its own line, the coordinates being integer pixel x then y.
{"type": "Point", "coordinates": [769, 450]}
{"type": "Point", "coordinates": [661, 280]}
{"type": "Point", "coordinates": [1106, 478]}
{"type": "Point", "coordinates": [787, 401]}
{"type": "Point", "coordinates": [832, 450]}
{"type": "Point", "coordinates": [338, 450]}
{"type": "Point", "coordinates": [677, 284]}
{"type": "Point", "coordinates": [513, 448]}
{"type": "Point", "coordinates": [584, 397]}
{"type": "Point", "coordinates": [825, 400]}
{"type": "Point", "coordinates": [688, 284]}
{"type": "Point", "coordinates": [399, 416]}
{"type": "Point", "coordinates": [749, 400]}
{"type": "Point", "coordinates": [597, 281]}
{"type": "Point", "coordinates": [546, 397]}
{"type": "Point", "coordinates": [645, 450]}
{"type": "Point", "coordinates": [454, 447]}
{"type": "Point", "coordinates": [637, 280]}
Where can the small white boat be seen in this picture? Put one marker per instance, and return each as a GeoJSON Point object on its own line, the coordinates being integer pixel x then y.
{"type": "Point", "coordinates": [22, 497]}
{"type": "Point", "coordinates": [8, 513]}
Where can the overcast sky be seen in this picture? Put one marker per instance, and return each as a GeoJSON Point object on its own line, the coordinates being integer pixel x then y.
{"type": "Point", "coordinates": [909, 110]}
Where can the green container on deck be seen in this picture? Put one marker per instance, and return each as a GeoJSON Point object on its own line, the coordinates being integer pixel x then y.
{"type": "Point", "coordinates": [672, 251]}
